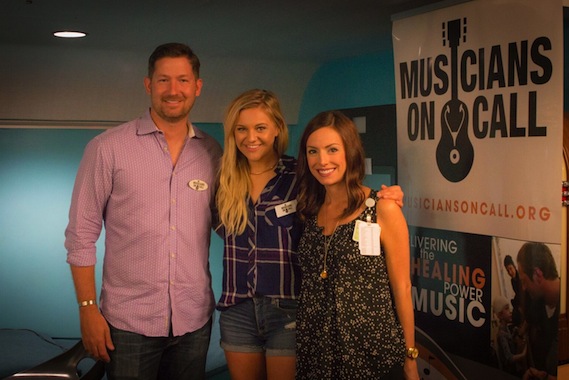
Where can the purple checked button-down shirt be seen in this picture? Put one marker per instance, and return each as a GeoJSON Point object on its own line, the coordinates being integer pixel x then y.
{"type": "Point", "coordinates": [157, 222]}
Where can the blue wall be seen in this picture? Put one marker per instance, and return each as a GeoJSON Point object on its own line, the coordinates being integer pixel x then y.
{"type": "Point", "coordinates": [349, 83]}
{"type": "Point", "coordinates": [37, 171]}
{"type": "Point", "coordinates": [358, 82]}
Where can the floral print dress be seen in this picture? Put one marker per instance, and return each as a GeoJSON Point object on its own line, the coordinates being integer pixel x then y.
{"type": "Point", "coordinates": [347, 327]}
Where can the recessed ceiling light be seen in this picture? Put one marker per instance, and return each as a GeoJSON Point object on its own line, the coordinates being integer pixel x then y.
{"type": "Point", "coordinates": [69, 34]}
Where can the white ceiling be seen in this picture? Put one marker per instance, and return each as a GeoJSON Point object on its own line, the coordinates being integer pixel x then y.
{"type": "Point", "coordinates": [293, 30]}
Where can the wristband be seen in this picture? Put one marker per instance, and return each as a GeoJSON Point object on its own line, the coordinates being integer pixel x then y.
{"type": "Point", "coordinates": [87, 303]}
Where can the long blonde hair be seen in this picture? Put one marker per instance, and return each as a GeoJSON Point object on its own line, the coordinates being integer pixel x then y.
{"type": "Point", "coordinates": [234, 179]}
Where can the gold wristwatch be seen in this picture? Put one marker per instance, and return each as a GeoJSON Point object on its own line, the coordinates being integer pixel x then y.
{"type": "Point", "coordinates": [412, 353]}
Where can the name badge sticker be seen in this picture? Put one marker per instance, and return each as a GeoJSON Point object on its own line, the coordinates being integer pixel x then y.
{"type": "Point", "coordinates": [286, 208]}
{"type": "Point", "coordinates": [369, 235]}
{"type": "Point", "coordinates": [198, 185]}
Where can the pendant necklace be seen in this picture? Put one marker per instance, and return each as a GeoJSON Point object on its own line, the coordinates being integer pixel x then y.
{"type": "Point", "coordinates": [327, 241]}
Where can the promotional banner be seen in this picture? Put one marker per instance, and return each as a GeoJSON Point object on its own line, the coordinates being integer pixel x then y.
{"type": "Point", "coordinates": [479, 89]}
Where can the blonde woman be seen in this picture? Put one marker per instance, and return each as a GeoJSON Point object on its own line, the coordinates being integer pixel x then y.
{"type": "Point", "coordinates": [256, 202]}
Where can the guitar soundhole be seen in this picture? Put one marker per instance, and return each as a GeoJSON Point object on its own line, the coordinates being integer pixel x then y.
{"type": "Point", "coordinates": [454, 156]}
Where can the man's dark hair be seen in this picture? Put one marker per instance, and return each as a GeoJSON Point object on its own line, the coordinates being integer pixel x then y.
{"type": "Point", "coordinates": [537, 255]}
{"type": "Point", "coordinates": [174, 50]}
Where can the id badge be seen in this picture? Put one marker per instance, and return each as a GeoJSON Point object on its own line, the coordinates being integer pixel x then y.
{"type": "Point", "coordinates": [368, 237]}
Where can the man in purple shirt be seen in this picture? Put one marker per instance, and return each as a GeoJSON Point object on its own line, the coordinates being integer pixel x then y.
{"type": "Point", "coordinates": [151, 182]}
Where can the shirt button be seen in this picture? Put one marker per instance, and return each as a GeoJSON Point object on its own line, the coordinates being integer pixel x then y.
{"type": "Point", "coordinates": [173, 228]}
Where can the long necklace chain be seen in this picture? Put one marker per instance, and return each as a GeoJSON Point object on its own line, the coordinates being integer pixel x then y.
{"type": "Point", "coordinates": [327, 241]}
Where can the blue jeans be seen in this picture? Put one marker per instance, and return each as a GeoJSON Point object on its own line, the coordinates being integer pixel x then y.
{"type": "Point", "coordinates": [149, 358]}
{"type": "Point", "coordinates": [260, 324]}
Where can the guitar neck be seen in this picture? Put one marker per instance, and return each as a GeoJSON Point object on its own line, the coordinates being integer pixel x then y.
{"type": "Point", "coordinates": [454, 33]}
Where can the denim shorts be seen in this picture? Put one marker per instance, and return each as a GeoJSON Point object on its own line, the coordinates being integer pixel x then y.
{"type": "Point", "coordinates": [260, 324]}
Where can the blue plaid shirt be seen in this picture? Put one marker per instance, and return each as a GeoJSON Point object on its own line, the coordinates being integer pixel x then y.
{"type": "Point", "coordinates": [263, 260]}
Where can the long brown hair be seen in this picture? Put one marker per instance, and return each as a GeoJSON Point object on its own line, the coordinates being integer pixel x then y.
{"type": "Point", "coordinates": [311, 192]}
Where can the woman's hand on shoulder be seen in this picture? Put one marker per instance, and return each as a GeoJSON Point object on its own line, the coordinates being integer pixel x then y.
{"type": "Point", "coordinates": [394, 193]}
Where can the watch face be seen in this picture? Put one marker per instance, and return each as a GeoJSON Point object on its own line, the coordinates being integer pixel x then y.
{"type": "Point", "coordinates": [412, 353]}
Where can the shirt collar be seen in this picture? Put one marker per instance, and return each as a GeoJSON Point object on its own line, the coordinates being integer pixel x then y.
{"type": "Point", "coordinates": [147, 126]}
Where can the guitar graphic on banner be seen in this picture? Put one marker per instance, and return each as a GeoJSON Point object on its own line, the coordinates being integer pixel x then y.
{"type": "Point", "coordinates": [455, 153]}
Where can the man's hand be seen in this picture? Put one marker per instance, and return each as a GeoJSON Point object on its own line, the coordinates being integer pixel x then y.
{"type": "Point", "coordinates": [95, 333]}
{"type": "Point", "coordinates": [392, 192]}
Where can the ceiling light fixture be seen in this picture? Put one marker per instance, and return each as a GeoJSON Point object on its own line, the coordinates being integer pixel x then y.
{"type": "Point", "coordinates": [69, 34]}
